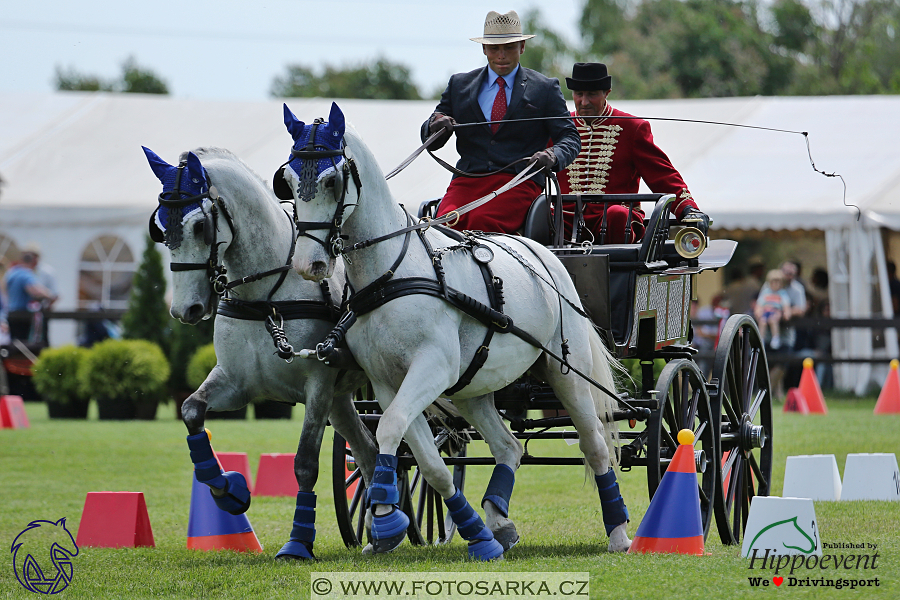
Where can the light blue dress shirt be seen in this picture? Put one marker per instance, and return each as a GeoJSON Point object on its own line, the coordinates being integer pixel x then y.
{"type": "Point", "coordinates": [489, 90]}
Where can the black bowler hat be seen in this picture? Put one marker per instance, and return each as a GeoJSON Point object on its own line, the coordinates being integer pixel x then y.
{"type": "Point", "coordinates": [587, 77]}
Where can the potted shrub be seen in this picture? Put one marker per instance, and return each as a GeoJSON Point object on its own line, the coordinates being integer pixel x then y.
{"type": "Point", "coordinates": [272, 409]}
{"type": "Point", "coordinates": [127, 378]}
{"type": "Point", "coordinates": [202, 362]}
{"type": "Point", "coordinates": [56, 380]}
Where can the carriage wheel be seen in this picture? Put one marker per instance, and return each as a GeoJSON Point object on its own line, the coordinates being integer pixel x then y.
{"type": "Point", "coordinates": [683, 404]}
{"type": "Point", "coordinates": [428, 519]}
{"type": "Point", "coordinates": [743, 401]}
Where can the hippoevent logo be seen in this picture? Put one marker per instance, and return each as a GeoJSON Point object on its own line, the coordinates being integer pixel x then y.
{"type": "Point", "coordinates": [42, 556]}
{"type": "Point", "coordinates": [846, 565]}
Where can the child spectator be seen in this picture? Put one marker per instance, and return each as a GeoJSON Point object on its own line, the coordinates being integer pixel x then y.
{"type": "Point", "coordinates": [772, 305]}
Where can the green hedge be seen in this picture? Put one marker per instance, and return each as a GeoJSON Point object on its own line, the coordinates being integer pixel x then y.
{"type": "Point", "coordinates": [200, 365]}
{"type": "Point", "coordinates": [56, 373]}
{"type": "Point", "coordinates": [125, 369]}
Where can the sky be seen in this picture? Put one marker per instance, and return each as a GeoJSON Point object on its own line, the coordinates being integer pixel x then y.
{"type": "Point", "coordinates": [232, 50]}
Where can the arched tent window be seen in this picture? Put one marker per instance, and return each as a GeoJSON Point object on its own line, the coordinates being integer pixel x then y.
{"type": "Point", "coordinates": [105, 273]}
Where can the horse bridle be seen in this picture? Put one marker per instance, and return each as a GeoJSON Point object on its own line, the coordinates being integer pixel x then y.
{"type": "Point", "coordinates": [306, 189]}
{"type": "Point", "coordinates": [215, 271]}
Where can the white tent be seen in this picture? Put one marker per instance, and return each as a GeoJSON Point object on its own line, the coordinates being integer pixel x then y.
{"type": "Point", "coordinates": [73, 169]}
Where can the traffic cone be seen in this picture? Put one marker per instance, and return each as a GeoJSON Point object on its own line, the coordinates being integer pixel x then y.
{"type": "Point", "coordinates": [809, 387]}
{"type": "Point", "coordinates": [889, 398]}
{"type": "Point", "coordinates": [275, 476]}
{"type": "Point", "coordinates": [672, 524]}
{"type": "Point", "coordinates": [211, 528]}
{"type": "Point", "coordinates": [115, 520]}
{"type": "Point", "coordinates": [12, 413]}
{"type": "Point", "coordinates": [796, 402]}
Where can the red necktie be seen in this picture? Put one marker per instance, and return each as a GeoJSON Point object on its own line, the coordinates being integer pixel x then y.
{"type": "Point", "coordinates": [499, 109]}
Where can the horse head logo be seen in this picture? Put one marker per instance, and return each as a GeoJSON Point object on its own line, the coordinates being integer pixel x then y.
{"type": "Point", "coordinates": [790, 535]}
{"type": "Point", "coordinates": [42, 556]}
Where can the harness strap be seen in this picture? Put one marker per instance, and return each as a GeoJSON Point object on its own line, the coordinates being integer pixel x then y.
{"type": "Point", "coordinates": [288, 309]}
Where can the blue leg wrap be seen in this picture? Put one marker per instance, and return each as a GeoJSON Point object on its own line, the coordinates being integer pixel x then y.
{"type": "Point", "coordinates": [236, 497]}
{"type": "Point", "coordinates": [500, 488]}
{"type": "Point", "coordinates": [304, 531]}
{"type": "Point", "coordinates": [482, 545]}
{"type": "Point", "coordinates": [383, 489]}
{"type": "Point", "coordinates": [388, 530]}
{"type": "Point", "coordinates": [206, 467]}
{"type": "Point", "coordinates": [611, 502]}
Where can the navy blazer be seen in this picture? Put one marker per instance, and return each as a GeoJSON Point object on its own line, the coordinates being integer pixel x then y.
{"type": "Point", "coordinates": [533, 95]}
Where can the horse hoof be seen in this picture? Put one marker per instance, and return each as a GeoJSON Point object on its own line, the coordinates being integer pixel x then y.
{"type": "Point", "coordinates": [486, 550]}
{"type": "Point", "coordinates": [296, 551]}
{"type": "Point", "coordinates": [369, 549]}
{"type": "Point", "coordinates": [235, 498]}
{"type": "Point", "coordinates": [507, 536]}
{"type": "Point", "coordinates": [389, 530]}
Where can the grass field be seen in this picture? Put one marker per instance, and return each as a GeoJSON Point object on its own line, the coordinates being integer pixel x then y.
{"type": "Point", "coordinates": [45, 472]}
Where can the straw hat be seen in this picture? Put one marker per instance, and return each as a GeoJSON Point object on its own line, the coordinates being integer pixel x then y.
{"type": "Point", "coordinates": [502, 29]}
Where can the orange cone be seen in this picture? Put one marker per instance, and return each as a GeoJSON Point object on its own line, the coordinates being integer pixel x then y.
{"type": "Point", "coordinates": [809, 387]}
{"type": "Point", "coordinates": [796, 402]}
{"type": "Point", "coordinates": [889, 398]}
{"type": "Point", "coordinates": [672, 524]}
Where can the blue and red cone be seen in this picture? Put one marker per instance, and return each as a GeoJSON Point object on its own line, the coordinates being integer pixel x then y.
{"type": "Point", "coordinates": [210, 527]}
{"type": "Point", "coordinates": [672, 523]}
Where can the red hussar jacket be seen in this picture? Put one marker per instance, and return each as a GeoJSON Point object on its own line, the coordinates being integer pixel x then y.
{"type": "Point", "coordinates": [615, 155]}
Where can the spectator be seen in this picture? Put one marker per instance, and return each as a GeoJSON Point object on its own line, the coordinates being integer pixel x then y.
{"type": "Point", "coordinates": [772, 306]}
{"type": "Point", "coordinates": [742, 292]}
{"type": "Point", "coordinates": [26, 293]}
{"type": "Point", "coordinates": [795, 339]}
{"type": "Point", "coordinates": [894, 286]}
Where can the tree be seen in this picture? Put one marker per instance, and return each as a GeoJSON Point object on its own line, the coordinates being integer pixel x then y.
{"type": "Point", "coordinates": [381, 79]}
{"type": "Point", "coordinates": [147, 316]}
{"type": "Point", "coordinates": [547, 52]}
{"type": "Point", "coordinates": [135, 79]}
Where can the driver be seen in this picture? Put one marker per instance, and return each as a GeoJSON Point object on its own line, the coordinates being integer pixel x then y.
{"type": "Point", "coordinates": [501, 90]}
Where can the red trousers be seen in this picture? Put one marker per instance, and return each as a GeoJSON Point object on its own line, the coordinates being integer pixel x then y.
{"type": "Point", "coordinates": [504, 214]}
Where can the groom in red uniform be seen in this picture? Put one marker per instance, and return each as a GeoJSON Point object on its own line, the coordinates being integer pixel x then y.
{"type": "Point", "coordinates": [502, 90]}
{"type": "Point", "coordinates": [615, 155]}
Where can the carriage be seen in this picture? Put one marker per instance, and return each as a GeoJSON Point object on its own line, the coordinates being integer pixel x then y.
{"type": "Point", "coordinates": [622, 301]}
{"type": "Point", "coordinates": [638, 296]}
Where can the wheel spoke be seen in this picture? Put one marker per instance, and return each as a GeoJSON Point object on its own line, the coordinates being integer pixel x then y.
{"type": "Point", "coordinates": [692, 411]}
{"type": "Point", "coordinates": [699, 431]}
{"type": "Point", "coordinates": [352, 477]}
{"type": "Point", "coordinates": [420, 504]}
{"type": "Point", "coordinates": [704, 499]}
{"type": "Point", "coordinates": [763, 483]}
{"type": "Point", "coordinates": [737, 506]}
{"type": "Point", "coordinates": [442, 531]}
{"type": "Point", "coordinates": [757, 402]}
{"type": "Point", "coordinates": [430, 523]}
{"type": "Point", "coordinates": [669, 441]}
{"type": "Point", "coordinates": [684, 397]}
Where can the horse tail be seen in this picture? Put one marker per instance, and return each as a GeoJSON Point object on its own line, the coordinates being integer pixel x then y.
{"type": "Point", "coordinates": [602, 371]}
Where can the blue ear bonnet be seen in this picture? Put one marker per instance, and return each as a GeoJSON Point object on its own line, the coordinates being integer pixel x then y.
{"type": "Point", "coordinates": [326, 139]}
{"type": "Point", "coordinates": [191, 181]}
{"type": "Point", "coordinates": [326, 136]}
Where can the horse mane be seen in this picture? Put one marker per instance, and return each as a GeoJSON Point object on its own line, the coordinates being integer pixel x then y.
{"type": "Point", "coordinates": [213, 152]}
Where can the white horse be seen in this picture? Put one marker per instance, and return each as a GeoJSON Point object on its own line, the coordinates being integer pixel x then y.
{"type": "Point", "coordinates": [221, 223]}
{"type": "Point", "coordinates": [414, 343]}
